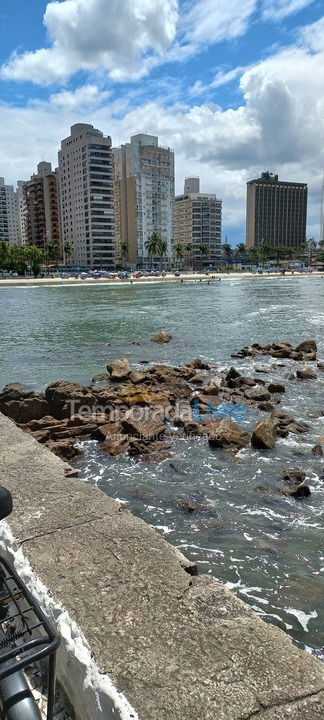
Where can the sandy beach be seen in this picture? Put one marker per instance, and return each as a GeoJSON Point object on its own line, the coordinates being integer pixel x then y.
{"type": "Point", "coordinates": [169, 277]}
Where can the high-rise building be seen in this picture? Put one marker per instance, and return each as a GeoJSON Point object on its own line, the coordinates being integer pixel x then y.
{"type": "Point", "coordinates": [87, 197]}
{"type": "Point", "coordinates": [40, 209]}
{"type": "Point", "coordinates": [9, 215]}
{"type": "Point", "coordinates": [198, 223]}
{"type": "Point", "coordinates": [276, 212]}
{"type": "Point", "coordinates": [144, 196]}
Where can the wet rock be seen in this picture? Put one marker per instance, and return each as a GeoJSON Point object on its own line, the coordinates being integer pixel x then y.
{"type": "Point", "coordinates": [191, 505]}
{"type": "Point", "coordinates": [65, 449]}
{"type": "Point", "coordinates": [135, 342]}
{"type": "Point", "coordinates": [287, 422]}
{"type": "Point", "coordinates": [228, 434]}
{"type": "Point", "coordinates": [266, 406]}
{"type": "Point", "coordinates": [178, 468]}
{"type": "Point", "coordinates": [115, 444]}
{"type": "Point", "coordinates": [307, 346]}
{"type": "Point", "coordinates": [276, 388]}
{"type": "Point", "coordinates": [290, 376]}
{"type": "Point", "coordinates": [146, 424]}
{"type": "Point", "coordinates": [102, 432]}
{"type": "Point", "coordinates": [264, 435]}
{"type": "Point", "coordinates": [162, 337]}
{"type": "Point", "coordinates": [213, 387]}
{"type": "Point", "coordinates": [294, 476]}
{"type": "Point", "coordinates": [119, 369]}
{"type": "Point", "coordinates": [317, 450]}
{"type": "Point", "coordinates": [198, 379]}
{"type": "Point", "coordinates": [102, 377]}
{"type": "Point", "coordinates": [71, 472]}
{"type": "Point", "coordinates": [306, 374]}
{"type": "Point", "coordinates": [41, 435]}
{"type": "Point", "coordinates": [151, 450]}
{"type": "Point", "coordinates": [262, 370]}
{"type": "Point", "coordinates": [198, 364]}
{"type": "Point", "coordinates": [320, 365]}
{"type": "Point", "coordinates": [297, 491]}
{"type": "Point", "coordinates": [257, 393]}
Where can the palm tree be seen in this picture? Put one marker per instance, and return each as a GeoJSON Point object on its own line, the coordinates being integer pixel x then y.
{"type": "Point", "coordinates": [228, 250]}
{"type": "Point", "coordinates": [67, 250]}
{"type": "Point", "coordinates": [188, 249]}
{"type": "Point", "coordinates": [253, 256]}
{"type": "Point", "coordinates": [124, 250]}
{"type": "Point", "coordinates": [152, 245]}
{"type": "Point", "coordinates": [203, 251]}
{"type": "Point", "coordinates": [178, 251]}
{"type": "Point", "coordinates": [162, 250]}
{"type": "Point", "coordinates": [240, 249]}
{"type": "Point", "coordinates": [34, 256]}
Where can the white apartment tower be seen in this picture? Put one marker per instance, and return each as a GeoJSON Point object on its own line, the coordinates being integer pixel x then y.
{"type": "Point", "coordinates": [198, 224]}
{"type": "Point", "coordinates": [144, 196]}
{"type": "Point", "coordinates": [9, 215]}
{"type": "Point", "coordinates": [86, 197]}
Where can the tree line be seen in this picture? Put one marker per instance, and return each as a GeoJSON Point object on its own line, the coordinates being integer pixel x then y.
{"type": "Point", "coordinates": [21, 259]}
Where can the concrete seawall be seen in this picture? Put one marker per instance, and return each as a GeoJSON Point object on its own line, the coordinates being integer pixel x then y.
{"type": "Point", "coordinates": [141, 637]}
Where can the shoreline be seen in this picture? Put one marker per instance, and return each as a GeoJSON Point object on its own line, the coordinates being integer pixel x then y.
{"type": "Point", "coordinates": [190, 277]}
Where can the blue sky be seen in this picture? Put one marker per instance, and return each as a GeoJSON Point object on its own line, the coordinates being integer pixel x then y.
{"type": "Point", "coordinates": [236, 87]}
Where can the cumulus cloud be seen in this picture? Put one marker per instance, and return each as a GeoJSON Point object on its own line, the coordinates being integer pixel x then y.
{"type": "Point", "coordinates": [210, 22]}
{"type": "Point", "coordinates": [279, 9]}
{"type": "Point", "coordinates": [124, 38]}
{"type": "Point", "coordinates": [278, 126]}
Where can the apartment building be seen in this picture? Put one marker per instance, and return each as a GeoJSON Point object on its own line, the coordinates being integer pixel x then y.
{"type": "Point", "coordinates": [86, 197]}
{"type": "Point", "coordinates": [144, 197]}
{"type": "Point", "coordinates": [198, 224]}
{"type": "Point", "coordinates": [276, 212]}
{"type": "Point", "coordinates": [40, 209]}
{"type": "Point", "coordinates": [9, 214]}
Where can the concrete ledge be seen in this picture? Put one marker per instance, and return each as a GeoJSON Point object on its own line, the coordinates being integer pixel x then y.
{"type": "Point", "coordinates": [141, 637]}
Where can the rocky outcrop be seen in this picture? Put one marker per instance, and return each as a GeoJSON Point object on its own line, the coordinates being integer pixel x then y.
{"type": "Point", "coordinates": [229, 435]}
{"type": "Point", "coordinates": [115, 444]}
{"type": "Point", "coordinates": [146, 425]}
{"type": "Point", "coordinates": [162, 337]}
{"type": "Point", "coordinates": [317, 450]}
{"type": "Point", "coordinates": [264, 435]}
{"type": "Point", "coordinates": [119, 369]}
{"type": "Point", "coordinates": [65, 449]}
{"type": "Point", "coordinates": [306, 350]}
{"type": "Point", "coordinates": [287, 424]}
{"type": "Point", "coordinates": [294, 475]}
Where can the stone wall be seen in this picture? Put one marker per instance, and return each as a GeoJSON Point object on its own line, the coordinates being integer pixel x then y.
{"type": "Point", "coordinates": [142, 638]}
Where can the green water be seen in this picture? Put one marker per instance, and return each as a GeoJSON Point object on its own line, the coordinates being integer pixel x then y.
{"type": "Point", "coordinates": [268, 550]}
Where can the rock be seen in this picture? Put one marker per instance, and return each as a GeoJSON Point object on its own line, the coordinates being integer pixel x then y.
{"type": "Point", "coordinates": [136, 378]}
{"type": "Point", "coordinates": [14, 391]}
{"type": "Point", "coordinates": [213, 387]}
{"type": "Point", "coordinates": [102, 377]}
{"type": "Point", "coordinates": [162, 337]}
{"type": "Point", "coordinates": [71, 472]}
{"type": "Point", "coordinates": [266, 406]}
{"type": "Point", "coordinates": [198, 364]}
{"type": "Point", "coordinates": [228, 434]}
{"type": "Point", "coordinates": [178, 468]}
{"type": "Point", "coordinates": [317, 450]}
{"type": "Point", "coordinates": [308, 346]}
{"type": "Point", "coordinates": [320, 365]}
{"type": "Point", "coordinates": [294, 476]}
{"type": "Point", "coordinates": [232, 374]}
{"type": "Point", "coordinates": [257, 393]}
{"type": "Point", "coordinates": [41, 435]}
{"type": "Point", "coordinates": [156, 450]}
{"type": "Point", "coordinates": [264, 435]}
{"type": "Point", "coordinates": [66, 398]}
{"type": "Point", "coordinates": [44, 423]}
{"type": "Point", "coordinates": [75, 431]}
{"type": "Point", "coordinates": [64, 449]}
{"type": "Point", "coordinates": [115, 444]}
{"type": "Point", "coordinates": [198, 379]}
{"type": "Point", "coordinates": [297, 491]}
{"type": "Point", "coordinates": [290, 376]}
{"type": "Point", "coordinates": [276, 388]}
{"type": "Point", "coordinates": [191, 505]}
{"type": "Point", "coordinates": [102, 432]}
{"type": "Point", "coordinates": [119, 369]}
{"type": "Point", "coordinates": [23, 411]}
{"type": "Point", "coordinates": [146, 424]}
{"type": "Point", "coordinates": [306, 374]}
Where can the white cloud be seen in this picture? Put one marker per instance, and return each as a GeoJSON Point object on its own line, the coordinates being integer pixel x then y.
{"type": "Point", "coordinates": [279, 126]}
{"type": "Point", "coordinates": [279, 9]}
{"type": "Point", "coordinates": [124, 38]}
{"type": "Point", "coordinates": [210, 21]}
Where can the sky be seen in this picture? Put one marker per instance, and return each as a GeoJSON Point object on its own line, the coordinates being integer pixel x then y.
{"type": "Point", "coordinates": [236, 87]}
